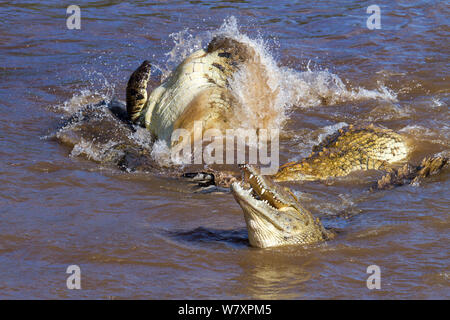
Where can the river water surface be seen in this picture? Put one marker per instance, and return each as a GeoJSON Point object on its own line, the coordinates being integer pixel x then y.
{"type": "Point", "coordinates": [141, 234]}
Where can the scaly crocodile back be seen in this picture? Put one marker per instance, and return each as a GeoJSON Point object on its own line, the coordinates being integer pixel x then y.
{"type": "Point", "coordinates": [349, 149]}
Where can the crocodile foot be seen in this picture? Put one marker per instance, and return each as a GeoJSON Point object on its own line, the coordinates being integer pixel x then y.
{"type": "Point", "coordinates": [410, 174]}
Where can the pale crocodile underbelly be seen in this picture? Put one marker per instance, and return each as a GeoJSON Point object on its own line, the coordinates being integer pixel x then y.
{"type": "Point", "coordinates": [167, 102]}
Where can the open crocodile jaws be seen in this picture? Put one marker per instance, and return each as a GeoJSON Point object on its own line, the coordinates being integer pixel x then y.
{"type": "Point", "coordinates": [273, 215]}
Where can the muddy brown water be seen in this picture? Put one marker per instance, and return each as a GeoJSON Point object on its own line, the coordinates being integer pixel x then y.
{"type": "Point", "coordinates": [144, 235]}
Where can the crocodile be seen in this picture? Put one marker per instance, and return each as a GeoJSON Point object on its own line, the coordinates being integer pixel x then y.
{"type": "Point", "coordinates": [197, 90]}
{"type": "Point", "coordinates": [273, 215]}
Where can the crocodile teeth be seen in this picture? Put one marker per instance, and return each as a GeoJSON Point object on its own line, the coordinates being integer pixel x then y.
{"type": "Point", "coordinates": [263, 190]}
{"type": "Point", "coordinates": [251, 176]}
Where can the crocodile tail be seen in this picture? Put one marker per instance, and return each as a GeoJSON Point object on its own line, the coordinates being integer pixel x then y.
{"type": "Point", "coordinates": [137, 91]}
{"type": "Point", "coordinates": [411, 174]}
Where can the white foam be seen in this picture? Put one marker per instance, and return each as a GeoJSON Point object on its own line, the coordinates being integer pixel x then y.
{"type": "Point", "coordinates": [326, 131]}
{"type": "Point", "coordinates": [283, 88]}
{"type": "Point", "coordinates": [93, 151]}
{"type": "Point", "coordinates": [161, 153]}
{"type": "Point", "coordinates": [98, 89]}
{"type": "Point", "coordinates": [185, 43]}
{"type": "Point", "coordinates": [142, 137]}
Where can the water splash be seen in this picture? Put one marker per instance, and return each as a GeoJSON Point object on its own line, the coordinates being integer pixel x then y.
{"type": "Point", "coordinates": [267, 92]}
{"type": "Point", "coordinates": [95, 151]}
